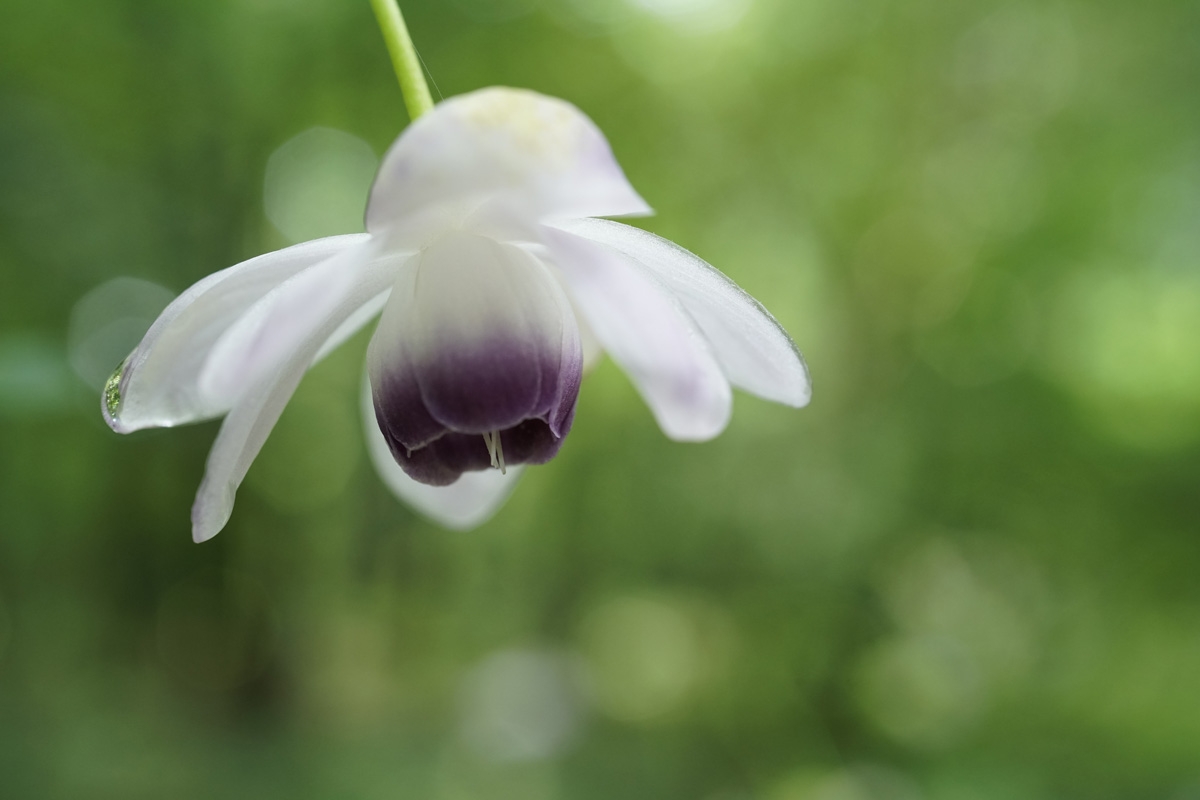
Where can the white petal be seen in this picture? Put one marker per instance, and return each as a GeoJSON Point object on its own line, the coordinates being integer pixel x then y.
{"type": "Point", "coordinates": [354, 323]}
{"type": "Point", "coordinates": [157, 385]}
{"type": "Point", "coordinates": [267, 332]}
{"type": "Point", "coordinates": [593, 351]}
{"type": "Point", "coordinates": [468, 502]}
{"type": "Point", "coordinates": [753, 349]}
{"type": "Point", "coordinates": [495, 156]}
{"type": "Point", "coordinates": [649, 334]}
{"type": "Point", "coordinates": [589, 344]}
{"type": "Point", "coordinates": [258, 407]}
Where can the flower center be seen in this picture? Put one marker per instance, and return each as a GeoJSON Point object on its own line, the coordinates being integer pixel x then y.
{"type": "Point", "coordinates": [495, 450]}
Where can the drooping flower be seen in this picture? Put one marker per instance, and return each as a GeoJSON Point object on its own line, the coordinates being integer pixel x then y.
{"type": "Point", "coordinates": [493, 274]}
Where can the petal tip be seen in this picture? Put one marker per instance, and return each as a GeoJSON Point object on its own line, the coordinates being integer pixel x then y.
{"type": "Point", "coordinates": [639, 209]}
{"type": "Point", "coordinates": [209, 517]}
{"type": "Point", "coordinates": [695, 427]}
{"type": "Point", "coordinates": [696, 435]}
{"type": "Point", "coordinates": [201, 533]}
{"type": "Point", "coordinates": [801, 396]}
{"type": "Point", "coordinates": [467, 504]}
{"type": "Point", "coordinates": [805, 398]}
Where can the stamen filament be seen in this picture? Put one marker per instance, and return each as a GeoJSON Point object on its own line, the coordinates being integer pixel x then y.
{"type": "Point", "coordinates": [495, 448]}
{"type": "Point", "coordinates": [490, 443]}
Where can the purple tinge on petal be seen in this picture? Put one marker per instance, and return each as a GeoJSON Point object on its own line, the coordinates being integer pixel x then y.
{"type": "Point", "coordinates": [434, 416]}
{"type": "Point", "coordinates": [533, 442]}
{"type": "Point", "coordinates": [401, 413]}
{"type": "Point", "coordinates": [558, 396]}
{"type": "Point", "coordinates": [442, 462]}
{"type": "Point", "coordinates": [490, 386]}
{"type": "Point", "coordinates": [478, 340]}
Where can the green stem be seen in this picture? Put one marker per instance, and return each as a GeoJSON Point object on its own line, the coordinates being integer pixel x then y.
{"type": "Point", "coordinates": [404, 57]}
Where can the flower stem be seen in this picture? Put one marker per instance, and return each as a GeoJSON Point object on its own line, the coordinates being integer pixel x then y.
{"type": "Point", "coordinates": [404, 57]}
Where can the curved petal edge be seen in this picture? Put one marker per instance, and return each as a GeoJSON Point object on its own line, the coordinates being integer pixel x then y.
{"type": "Point", "coordinates": [259, 405]}
{"type": "Point", "coordinates": [158, 384]}
{"type": "Point", "coordinates": [754, 350]}
{"type": "Point", "coordinates": [501, 157]}
{"type": "Point", "coordinates": [650, 335]}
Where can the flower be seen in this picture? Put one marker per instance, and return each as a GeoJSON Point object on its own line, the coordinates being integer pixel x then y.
{"type": "Point", "coordinates": [494, 278]}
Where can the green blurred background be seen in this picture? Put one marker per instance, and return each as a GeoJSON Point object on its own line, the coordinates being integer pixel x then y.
{"type": "Point", "coordinates": [967, 571]}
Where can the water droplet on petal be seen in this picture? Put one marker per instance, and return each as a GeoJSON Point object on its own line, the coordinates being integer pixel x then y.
{"type": "Point", "coordinates": [112, 391]}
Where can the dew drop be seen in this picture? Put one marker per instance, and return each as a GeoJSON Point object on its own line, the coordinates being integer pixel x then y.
{"type": "Point", "coordinates": [112, 391]}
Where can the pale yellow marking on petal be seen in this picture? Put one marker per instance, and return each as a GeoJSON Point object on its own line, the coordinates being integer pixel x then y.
{"type": "Point", "coordinates": [546, 129]}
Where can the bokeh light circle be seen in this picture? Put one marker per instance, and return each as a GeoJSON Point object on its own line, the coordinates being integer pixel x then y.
{"type": "Point", "coordinates": [317, 182]}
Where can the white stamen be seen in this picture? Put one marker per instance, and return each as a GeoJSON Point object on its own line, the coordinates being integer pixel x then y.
{"type": "Point", "coordinates": [495, 449]}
